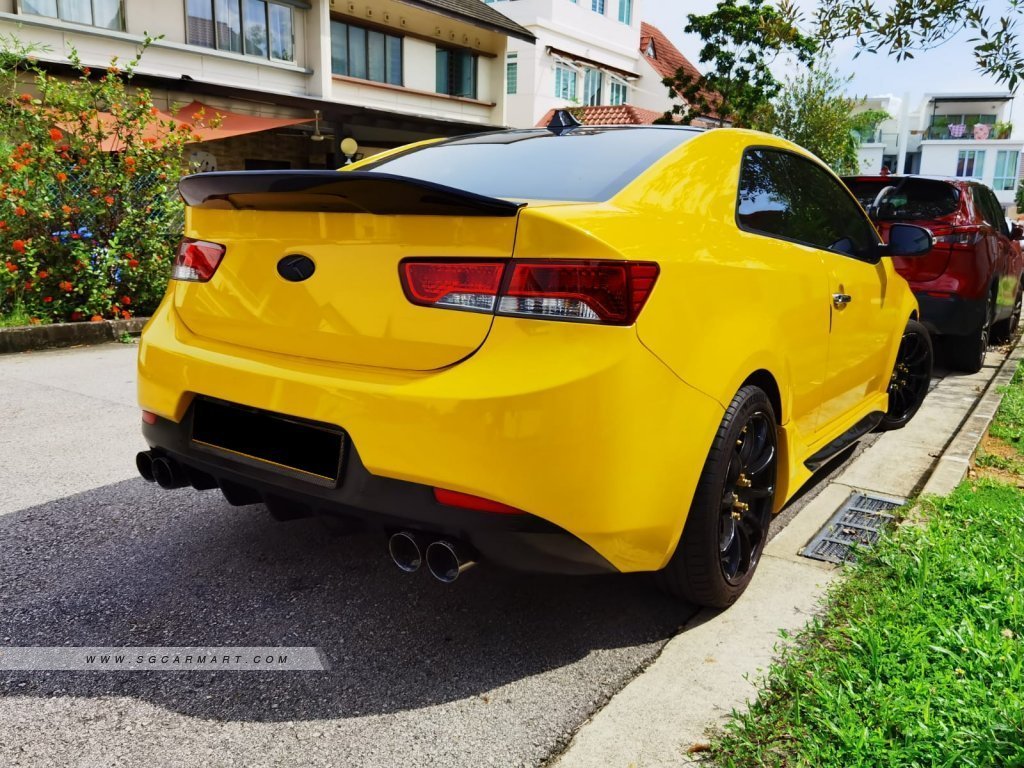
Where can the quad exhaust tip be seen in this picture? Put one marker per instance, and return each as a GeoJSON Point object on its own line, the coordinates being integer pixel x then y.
{"type": "Point", "coordinates": [144, 463]}
{"type": "Point", "coordinates": [165, 472]}
{"type": "Point", "coordinates": [447, 560]}
{"type": "Point", "coordinates": [406, 550]}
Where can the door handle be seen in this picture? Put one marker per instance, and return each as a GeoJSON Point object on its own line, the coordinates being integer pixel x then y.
{"type": "Point", "coordinates": [840, 300]}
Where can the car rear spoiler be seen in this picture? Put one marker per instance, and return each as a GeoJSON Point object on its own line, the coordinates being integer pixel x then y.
{"type": "Point", "coordinates": [336, 192]}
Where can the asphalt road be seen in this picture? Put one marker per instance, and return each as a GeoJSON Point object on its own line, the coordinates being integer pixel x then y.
{"type": "Point", "coordinates": [498, 669]}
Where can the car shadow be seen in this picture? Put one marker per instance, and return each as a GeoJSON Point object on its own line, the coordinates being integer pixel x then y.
{"type": "Point", "coordinates": [130, 565]}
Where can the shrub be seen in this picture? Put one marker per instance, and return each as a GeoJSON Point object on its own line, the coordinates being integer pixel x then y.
{"type": "Point", "coordinates": [89, 216]}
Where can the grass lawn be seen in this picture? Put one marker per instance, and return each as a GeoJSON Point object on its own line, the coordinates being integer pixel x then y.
{"type": "Point", "coordinates": [919, 658]}
{"type": "Point", "coordinates": [15, 318]}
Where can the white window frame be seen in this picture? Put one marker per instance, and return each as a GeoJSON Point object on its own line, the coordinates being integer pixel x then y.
{"type": "Point", "coordinates": [626, 12]}
{"type": "Point", "coordinates": [1009, 177]}
{"type": "Point", "coordinates": [616, 83]}
{"type": "Point", "coordinates": [978, 169]}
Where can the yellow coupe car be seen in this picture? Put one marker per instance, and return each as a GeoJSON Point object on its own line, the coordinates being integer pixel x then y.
{"type": "Point", "coordinates": [574, 349]}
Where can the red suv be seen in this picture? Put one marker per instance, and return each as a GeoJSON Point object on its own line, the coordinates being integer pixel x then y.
{"type": "Point", "coordinates": [969, 284]}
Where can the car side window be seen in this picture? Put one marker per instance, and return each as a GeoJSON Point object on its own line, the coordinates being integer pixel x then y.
{"type": "Point", "coordinates": [991, 209]}
{"type": "Point", "coordinates": [787, 196]}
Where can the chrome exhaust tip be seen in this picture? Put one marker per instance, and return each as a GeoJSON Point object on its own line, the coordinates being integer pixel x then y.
{"type": "Point", "coordinates": [406, 550]}
{"type": "Point", "coordinates": [144, 463]}
{"type": "Point", "coordinates": [167, 474]}
{"type": "Point", "coordinates": [447, 560]}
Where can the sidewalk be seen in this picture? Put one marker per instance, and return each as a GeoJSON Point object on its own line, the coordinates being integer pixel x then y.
{"type": "Point", "coordinates": [661, 718]}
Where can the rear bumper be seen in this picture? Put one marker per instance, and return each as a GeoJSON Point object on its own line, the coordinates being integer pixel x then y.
{"type": "Point", "coordinates": [580, 426]}
{"type": "Point", "coordinates": [951, 315]}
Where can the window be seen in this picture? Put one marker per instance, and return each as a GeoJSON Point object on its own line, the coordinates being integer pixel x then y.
{"type": "Point", "coordinates": [586, 164]}
{"type": "Point", "coordinates": [1006, 170]}
{"type": "Point", "coordinates": [365, 53]}
{"type": "Point", "coordinates": [456, 72]}
{"type": "Point", "coordinates": [786, 196]}
{"type": "Point", "coordinates": [910, 200]}
{"type": "Point", "coordinates": [565, 83]}
{"type": "Point", "coordinates": [597, 6]}
{"type": "Point", "coordinates": [970, 163]}
{"type": "Point", "coordinates": [251, 27]}
{"type": "Point", "coordinates": [618, 93]}
{"type": "Point", "coordinates": [626, 11]}
{"type": "Point", "coordinates": [512, 74]}
{"type": "Point", "coordinates": [95, 13]}
{"type": "Point", "coordinates": [593, 80]}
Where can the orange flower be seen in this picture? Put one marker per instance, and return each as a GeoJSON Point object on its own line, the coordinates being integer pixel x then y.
{"type": "Point", "coordinates": [149, 140]}
{"type": "Point", "coordinates": [95, 191]}
{"type": "Point", "coordinates": [19, 246]}
{"type": "Point", "coordinates": [55, 134]}
{"type": "Point", "coordinates": [66, 209]}
{"type": "Point", "coordinates": [3, 225]}
{"type": "Point", "coordinates": [126, 314]}
{"type": "Point", "coordinates": [66, 286]}
{"type": "Point", "coordinates": [47, 299]}
{"type": "Point", "coordinates": [11, 267]}
{"type": "Point", "coordinates": [126, 300]}
{"type": "Point", "coordinates": [76, 316]}
{"type": "Point", "coordinates": [19, 211]}
{"type": "Point", "coordinates": [62, 177]}
{"type": "Point", "coordinates": [129, 161]}
{"type": "Point", "coordinates": [133, 263]}
{"type": "Point", "coordinates": [43, 274]}
{"type": "Point", "coordinates": [108, 200]}
{"type": "Point", "coordinates": [28, 285]}
{"type": "Point", "coordinates": [95, 319]}
{"type": "Point", "coordinates": [26, 97]}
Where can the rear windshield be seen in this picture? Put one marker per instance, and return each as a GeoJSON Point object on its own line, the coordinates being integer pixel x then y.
{"type": "Point", "coordinates": [585, 165]}
{"type": "Point", "coordinates": [909, 199]}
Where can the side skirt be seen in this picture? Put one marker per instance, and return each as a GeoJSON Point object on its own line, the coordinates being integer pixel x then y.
{"type": "Point", "coordinates": [845, 440]}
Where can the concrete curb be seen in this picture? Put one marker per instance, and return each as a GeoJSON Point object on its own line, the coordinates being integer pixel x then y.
{"type": "Point", "coordinates": [952, 466]}
{"type": "Point", "coordinates": [31, 337]}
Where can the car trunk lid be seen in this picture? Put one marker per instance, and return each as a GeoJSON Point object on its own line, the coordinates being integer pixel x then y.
{"type": "Point", "coordinates": [356, 228]}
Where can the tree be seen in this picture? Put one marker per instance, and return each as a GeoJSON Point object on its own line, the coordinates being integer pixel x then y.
{"type": "Point", "coordinates": [742, 38]}
{"type": "Point", "coordinates": [811, 110]}
{"type": "Point", "coordinates": [904, 27]}
{"type": "Point", "coordinates": [89, 217]}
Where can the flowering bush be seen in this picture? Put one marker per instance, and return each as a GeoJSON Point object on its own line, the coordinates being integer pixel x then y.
{"type": "Point", "coordinates": [89, 216]}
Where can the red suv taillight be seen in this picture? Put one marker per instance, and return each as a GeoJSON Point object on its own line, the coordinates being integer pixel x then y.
{"type": "Point", "coordinates": [958, 237]}
{"type": "Point", "coordinates": [197, 260]}
{"type": "Point", "coordinates": [604, 292]}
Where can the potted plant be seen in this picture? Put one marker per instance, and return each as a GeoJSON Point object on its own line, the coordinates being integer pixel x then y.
{"type": "Point", "coordinates": [1002, 130]}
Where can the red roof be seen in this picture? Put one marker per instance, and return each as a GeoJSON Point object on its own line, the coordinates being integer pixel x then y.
{"type": "Point", "coordinates": [667, 59]}
{"type": "Point", "coordinates": [624, 114]}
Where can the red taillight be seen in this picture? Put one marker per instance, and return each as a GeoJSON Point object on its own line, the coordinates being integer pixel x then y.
{"type": "Point", "coordinates": [149, 417]}
{"type": "Point", "coordinates": [197, 260]}
{"type": "Point", "coordinates": [610, 292]}
{"type": "Point", "coordinates": [959, 237]}
{"type": "Point", "coordinates": [468, 501]}
{"type": "Point", "coordinates": [469, 285]}
{"type": "Point", "coordinates": [606, 292]}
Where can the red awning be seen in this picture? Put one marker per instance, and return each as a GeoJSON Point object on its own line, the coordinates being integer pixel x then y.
{"type": "Point", "coordinates": [205, 122]}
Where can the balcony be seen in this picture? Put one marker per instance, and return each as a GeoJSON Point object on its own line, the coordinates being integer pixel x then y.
{"type": "Point", "coordinates": [967, 128]}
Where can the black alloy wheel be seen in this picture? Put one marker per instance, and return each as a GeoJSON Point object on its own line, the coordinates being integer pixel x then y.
{"type": "Point", "coordinates": [911, 376]}
{"type": "Point", "coordinates": [746, 506]}
{"type": "Point", "coordinates": [727, 527]}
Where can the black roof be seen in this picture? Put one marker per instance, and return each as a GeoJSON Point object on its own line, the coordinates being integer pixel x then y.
{"type": "Point", "coordinates": [477, 13]}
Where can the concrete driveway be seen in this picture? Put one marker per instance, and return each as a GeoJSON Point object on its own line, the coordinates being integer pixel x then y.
{"type": "Point", "coordinates": [499, 669]}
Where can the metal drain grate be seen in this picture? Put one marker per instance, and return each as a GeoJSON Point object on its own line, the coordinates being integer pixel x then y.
{"type": "Point", "coordinates": [856, 524]}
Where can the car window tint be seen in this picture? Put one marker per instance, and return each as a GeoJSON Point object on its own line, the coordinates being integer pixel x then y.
{"type": "Point", "coordinates": [989, 207]}
{"type": "Point", "coordinates": [908, 199]}
{"type": "Point", "coordinates": [584, 165]}
{"type": "Point", "coordinates": [788, 196]}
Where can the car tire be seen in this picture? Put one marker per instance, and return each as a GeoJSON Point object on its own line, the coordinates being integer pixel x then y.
{"type": "Point", "coordinates": [727, 527]}
{"type": "Point", "coordinates": [911, 376]}
{"type": "Point", "coordinates": [1003, 331]}
{"type": "Point", "coordinates": [967, 353]}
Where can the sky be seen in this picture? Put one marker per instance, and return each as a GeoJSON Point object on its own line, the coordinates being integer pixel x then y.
{"type": "Point", "coordinates": [949, 68]}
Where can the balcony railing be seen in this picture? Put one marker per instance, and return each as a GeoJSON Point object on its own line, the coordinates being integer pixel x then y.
{"type": "Point", "coordinates": [966, 132]}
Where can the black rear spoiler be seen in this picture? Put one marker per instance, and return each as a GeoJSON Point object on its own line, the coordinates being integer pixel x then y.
{"type": "Point", "coordinates": [336, 192]}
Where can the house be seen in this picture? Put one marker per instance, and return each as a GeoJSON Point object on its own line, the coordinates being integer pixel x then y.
{"type": "Point", "coordinates": [294, 76]}
{"type": "Point", "coordinates": [660, 59]}
{"type": "Point", "coordinates": [965, 135]}
{"type": "Point", "coordinates": [586, 54]}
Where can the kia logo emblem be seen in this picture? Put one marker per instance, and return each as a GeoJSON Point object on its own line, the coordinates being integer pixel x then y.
{"type": "Point", "coordinates": [295, 268]}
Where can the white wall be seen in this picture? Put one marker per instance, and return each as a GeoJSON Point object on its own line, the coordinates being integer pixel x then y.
{"type": "Point", "coordinates": [575, 29]}
{"type": "Point", "coordinates": [940, 157]}
{"type": "Point", "coordinates": [870, 158]}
